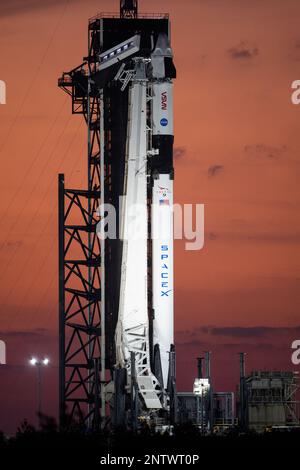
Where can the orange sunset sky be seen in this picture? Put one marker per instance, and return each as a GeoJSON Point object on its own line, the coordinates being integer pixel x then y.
{"type": "Point", "coordinates": [237, 151]}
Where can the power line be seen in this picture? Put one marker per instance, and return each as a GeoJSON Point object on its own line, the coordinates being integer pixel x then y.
{"type": "Point", "coordinates": [28, 172]}
{"type": "Point", "coordinates": [54, 277]}
{"type": "Point", "coordinates": [49, 252]}
{"type": "Point", "coordinates": [32, 83]}
{"type": "Point", "coordinates": [30, 194]}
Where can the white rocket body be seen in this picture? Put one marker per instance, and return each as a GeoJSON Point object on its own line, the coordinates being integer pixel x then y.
{"type": "Point", "coordinates": [149, 160]}
{"type": "Point", "coordinates": [162, 229]}
{"type": "Point", "coordinates": [132, 332]}
{"type": "Point", "coordinates": [162, 270]}
{"type": "Point", "coordinates": [162, 109]}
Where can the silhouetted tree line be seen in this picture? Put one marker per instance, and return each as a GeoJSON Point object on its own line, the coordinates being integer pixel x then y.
{"type": "Point", "coordinates": [50, 445]}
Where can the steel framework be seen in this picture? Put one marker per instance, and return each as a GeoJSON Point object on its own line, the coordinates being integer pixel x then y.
{"type": "Point", "coordinates": [90, 269]}
{"type": "Point", "coordinates": [272, 390]}
{"type": "Point", "coordinates": [81, 264]}
{"type": "Point", "coordinates": [128, 8]}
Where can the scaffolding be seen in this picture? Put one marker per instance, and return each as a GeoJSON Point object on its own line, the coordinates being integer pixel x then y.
{"type": "Point", "coordinates": [89, 268]}
{"type": "Point", "coordinates": [195, 410]}
{"type": "Point", "coordinates": [271, 399]}
{"type": "Point", "coordinates": [81, 313]}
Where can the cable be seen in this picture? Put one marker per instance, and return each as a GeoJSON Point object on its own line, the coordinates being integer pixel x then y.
{"type": "Point", "coordinates": [19, 112]}
{"type": "Point", "coordinates": [30, 194]}
{"type": "Point", "coordinates": [32, 83]}
{"type": "Point", "coordinates": [55, 274]}
{"type": "Point", "coordinates": [48, 252]}
{"type": "Point", "coordinates": [44, 228]}
{"type": "Point", "coordinates": [14, 198]}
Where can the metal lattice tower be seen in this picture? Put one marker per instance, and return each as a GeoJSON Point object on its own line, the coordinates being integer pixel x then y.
{"type": "Point", "coordinates": [128, 9]}
{"type": "Point", "coordinates": [81, 324]}
{"type": "Point", "coordinates": [89, 269]}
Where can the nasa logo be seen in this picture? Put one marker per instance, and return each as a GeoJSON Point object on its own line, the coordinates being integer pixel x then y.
{"type": "Point", "coordinates": [164, 101]}
{"type": "Point", "coordinates": [164, 122]}
{"type": "Point", "coordinates": [163, 191]}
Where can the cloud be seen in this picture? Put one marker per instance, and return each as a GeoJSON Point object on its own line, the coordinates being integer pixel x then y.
{"type": "Point", "coordinates": [212, 236]}
{"type": "Point", "coordinates": [12, 245]}
{"type": "Point", "coordinates": [239, 331]}
{"type": "Point", "coordinates": [15, 7]}
{"type": "Point", "coordinates": [243, 51]}
{"type": "Point", "coordinates": [238, 346]}
{"type": "Point", "coordinates": [36, 333]}
{"type": "Point", "coordinates": [255, 345]}
{"type": "Point", "coordinates": [203, 57]}
{"type": "Point", "coordinates": [214, 170]}
{"type": "Point", "coordinates": [295, 51]}
{"type": "Point", "coordinates": [179, 152]}
{"type": "Point", "coordinates": [249, 332]}
{"type": "Point", "coordinates": [265, 151]}
{"type": "Point", "coordinates": [274, 237]}
{"type": "Point", "coordinates": [266, 237]}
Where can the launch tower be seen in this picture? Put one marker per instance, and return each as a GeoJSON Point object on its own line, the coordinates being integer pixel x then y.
{"type": "Point", "coordinates": [117, 356]}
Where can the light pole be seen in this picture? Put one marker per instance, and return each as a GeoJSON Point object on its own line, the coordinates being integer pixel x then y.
{"type": "Point", "coordinates": [39, 364]}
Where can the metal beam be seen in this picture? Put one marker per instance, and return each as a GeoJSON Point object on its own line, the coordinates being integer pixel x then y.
{"type": "Point", "coordinates": [61, 250]}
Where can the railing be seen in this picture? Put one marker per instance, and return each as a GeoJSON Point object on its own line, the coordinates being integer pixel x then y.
{"type": "Point", "coordinates": [153, 16]}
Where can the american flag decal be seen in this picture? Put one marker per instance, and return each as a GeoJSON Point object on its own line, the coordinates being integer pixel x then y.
{"type": "Point", "coordinates": [164, 202]}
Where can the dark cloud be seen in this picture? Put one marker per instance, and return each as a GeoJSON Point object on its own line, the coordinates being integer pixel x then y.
{"type": "Point", "coordinates": [297, 44]}
{"type": "Point", "coordinates": [270, 237]}
{"type": "Point", "coordinates": [265, 151]}
{"type": "Point", "coordinates": [243, 51]}
{"type": "Point", "coordinates": [15, 7]}
{"type": "Point", "coordinates": [240, 222]}
{"type": "Point", "coordinates": [37, 333]}
{"type": "Point", "coordinates": [203, 57]}
{"type": "Point", "coordinates": [214, 170]}
{"type": "Point", "coordinates": [239, 346]}
{"type": "Point", "coordinates": [179, 152]}
{"type": "Point", "coordinates": [240, 331]}
{"type": "Point", "coordinates": [274, 237]}
{"type": "Point", "coordinates": [12, 245]}
{"type": "Point", "coordinates": [295, 51]}
{"type": "Point", "coordinates": [212, 236]}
